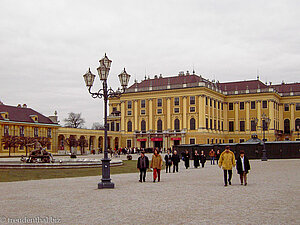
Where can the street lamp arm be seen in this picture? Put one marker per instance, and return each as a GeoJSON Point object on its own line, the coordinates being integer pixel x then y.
{"type": "Point", "coordinates": [99, 94]}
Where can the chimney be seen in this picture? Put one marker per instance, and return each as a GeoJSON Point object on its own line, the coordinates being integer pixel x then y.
{"type": "Point", "coordinates": [19, 106]}
{"type": "Point", "coordinates": [24, 106]}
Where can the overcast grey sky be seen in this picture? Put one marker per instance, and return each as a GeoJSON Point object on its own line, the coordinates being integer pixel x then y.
{"type": "Point", "coordinates": [46, 46]}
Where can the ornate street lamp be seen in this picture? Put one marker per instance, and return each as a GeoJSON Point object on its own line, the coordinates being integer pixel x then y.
{"type": "Point", "coordinates": [105, 93]}
{"type": "Point", "coordinates": [266, 121]}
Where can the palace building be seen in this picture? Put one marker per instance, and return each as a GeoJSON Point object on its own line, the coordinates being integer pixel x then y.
{"type": "Point", "coordinates": [189, 109]}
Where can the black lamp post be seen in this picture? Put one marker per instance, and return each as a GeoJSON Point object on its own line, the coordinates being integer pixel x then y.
{"type": "Point", "coordinates": [105, 93]}
{"type": "Point", "coordinates": [266, 121]}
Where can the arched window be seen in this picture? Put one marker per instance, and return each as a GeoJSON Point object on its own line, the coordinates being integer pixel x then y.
{"type": "Point", "coordinates": [297, 124]}
{"type": "Point", "coordinates": [177, 125]}
{"type": "Point", "coordinates": [143, 126]}
{"type": "Point", "coordinates": [129, 126]}
{"type": "Point", "coordinates": [286, 126]}
{"type": "Point", "coordinates": [159, 126]}
{"type": "Point", "coordinates": [192, 124]}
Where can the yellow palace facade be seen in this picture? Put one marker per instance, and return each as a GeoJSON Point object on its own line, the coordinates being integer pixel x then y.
{"type": "Point", "coordinates": [188, 109]}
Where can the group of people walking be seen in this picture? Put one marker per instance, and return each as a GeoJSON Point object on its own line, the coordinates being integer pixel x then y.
{"type": "Point", "coordinates": [225, 160]}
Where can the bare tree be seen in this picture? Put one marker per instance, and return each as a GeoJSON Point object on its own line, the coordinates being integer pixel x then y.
{"type": "Point", "coordinates": [74, 120]}
{"type": "Point", "coordinates": [97, 126]}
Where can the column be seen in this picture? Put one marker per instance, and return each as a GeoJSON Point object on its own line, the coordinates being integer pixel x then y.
{"type": "Point", "coordinates": [150, 113]}
{"type": "Point", "coordinates": [208, 113]}
{"type": "Point", "coordinates": [271, 115]}
{"type": "Point", "coordinates": [281, 117]}
{"type": "Point", "coordinates": [225, 110]}
{"type": "Point", "coordinates": [169, 113]}
{"type": "Point", "coordinates": [123, 116]}
{"type": "Point", "coordinates": [292, 122]}
{"type": "Point", "coordinates": [258, 108]}
{"type": "Point", "coordinates": [247, 116]}
{"type": "Point", "coordinates": [201, 112]}
{"type": "Point", "coordinates": [236, 116]}
{"type": "Point", "coordinates": [184, 110]}
{"type": "Point", "coordinates": [136, 126]}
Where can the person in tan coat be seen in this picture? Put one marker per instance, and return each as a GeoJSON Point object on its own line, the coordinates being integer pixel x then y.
{"type": "Point", "coordinates": [156, 164]}
{"type": "Point", "coordinates": [227, 161]}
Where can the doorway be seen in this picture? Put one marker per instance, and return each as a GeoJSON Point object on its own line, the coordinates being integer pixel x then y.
{"type": "Point", "coordinates": [143, 144]}
{"type": "Point", "coordinates": [176, 142]}
{"type": "Point", "coordinates": [158, 144]}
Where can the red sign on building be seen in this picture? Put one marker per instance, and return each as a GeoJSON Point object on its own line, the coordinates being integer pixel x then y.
{"type": "Point", "coordinates": [156, 139]}
{"type": "Point", "coordinates": [142, 139]}
{"type": "Point", "coordinates": [176, 138]}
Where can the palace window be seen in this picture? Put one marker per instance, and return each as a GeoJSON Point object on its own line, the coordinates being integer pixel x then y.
{"type": "Point", "coordinates": [206, 124]}
{"type": "Point", "coordinates": [114, 109]}
{"type": "Point", "coordinates": [231, 126]}
{"type": "Point", "coordinates": [222, 126]}
{"type": "Point", "coordinates": [214, 103]}
{"type": "Point", "coordinates": [218, 124]}
{"type": "Point", "coordinates": [253, 125]}
{"type": "Point", "coordinates": [210, 102]}
{"type": "Point", "coordinates": [129, 126]}
{"type": "Point", "coordinates": [117, 127]}
{"type": "Point", "coordinates": [297, 124]}
{"type": "Point", "coordinates": [6, 130]}
{"type": "Point", "coordinates": [222, 105]}
{"type": "Point", "coordinates": [218, 105]}
{"type": "Point", "coordinates": [177, 125]}
{"type": "Point", "coordinates": [242, 140]}
{"type": "Point", "coordinates": [265, 104]}
{"type": "Point", "coordinates": [230, 140]}
{"type": "Point", "coordinates": [192, 109]}
{"type": "Point", "coordinates": [286, 126]}
{"type": "Point", "coordinates": [192, 100]}
{"type": "Point", "coordinates": [129, 104]}
{"type": "Point", "coordinates": [192, 124]}
{"type": "Point", "coordinates": [159, 126]}
{"type": "Point", "coordinates": [21, 131]}
{"type": "Point", "coordinates": [176, 101]}
{"type": "Point", "coordinates": [231, 106]}
{"type": "Point", "coordinates": [215, 124]}
{"type": "Point", "coordinates": [192, 141]}
{"type": "Point", "coordinates": [297, 106]}
{"type": "Point", "coordinates": [176, 110]}
{"type": "Point", "coordinates": [112, 126]}
{"type": "Point", "coordinates": [49, 133]}
{"type": "Point", "coordinates": [36, 132]}
{"type": "Point", "coordinates": [264, 125]}
{"type": "Point", "coordinates": [128, 143]}
{"type": "Point", "coordinates": [252, 104]}
{"type": "Point", "coordinates": [242, 125]}
{"type": "Point", "coordinates": [211, 124]}
{"type": "Point", "coordinates": [206, 100]}
{"type": "Point", "coordinates": [159, 102]}
{"type": "Point", "coordinates": [242, 105]}
{"type": "Point", "coordinates": [129, 113]}
{"type": "Point", "coordinates": [143, 112]}
{"type": "Point", "coordinates": [143, 103]}
{"type": "Point", "coordinates": [159, 111]}
{"type": "Point", "coordinates": [143, 126]}
{"type": "Point", "coordinates": [286, 107]}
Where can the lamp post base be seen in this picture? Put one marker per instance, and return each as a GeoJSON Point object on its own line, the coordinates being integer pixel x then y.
{"type": "Point", "coordinates": [264, 156]}
{"type": "Point", "coordinates": [103, 185]}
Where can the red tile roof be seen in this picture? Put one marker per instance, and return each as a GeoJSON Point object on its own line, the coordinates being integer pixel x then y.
{"type": "Point", "coordinates": [286, 88]}
{"type": "Point", "coordinates": [242, 85]}
{"type": "Point", "coordinates": [20, 114]}
{"type": "Point", "coordinates": [164, 81]}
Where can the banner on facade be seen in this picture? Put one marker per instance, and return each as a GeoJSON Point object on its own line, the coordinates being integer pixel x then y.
{"type": "Point", "coordinates": [176, 138]}
{"type": "Point", "coordinates": [141, 139]}
{"type": "Point", "coordinates": [156, 139]}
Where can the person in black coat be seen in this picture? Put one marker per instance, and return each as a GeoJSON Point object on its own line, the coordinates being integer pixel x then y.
{"type": "Point", "coordinates": [168, 160]}
{"type": "Point", "coordinates": [202, 158]}
{"type": "Point", "coordinates": [218, 156]}
{"type": "Point", "coordinates": [175, 161]}
{"type": "Point", "coordinates": [143, 165]}
{"type": "Point", "coordinates": [242, 167]}
{"type": "Point", "coordinates": [196, 159]}
{"type": "Point", "coordinates": [186, 159]}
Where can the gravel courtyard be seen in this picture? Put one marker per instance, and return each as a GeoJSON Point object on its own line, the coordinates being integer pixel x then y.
{"type": "Point", "coordinates": [193, 196]}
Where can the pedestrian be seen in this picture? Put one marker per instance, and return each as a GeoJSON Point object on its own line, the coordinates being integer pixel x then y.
{"type": "Point", "coordinates": [156, 164]}
{"type": "Point", "coordinates": [143, 165]}
{"type": "Point", "coordinates": [202, 159]}
{"type": "Point", "coordinates": [212, 157]}
{"type": "Point", "coordinates": [227, 161]}
{"type": "Point", "coordinates": [175, 161]}
{"type": "Point", "coordinates": [243, 167]}
{"type": "Point", "coordinates": [168, 160]}
{"type": "Point", "coordinates": [196, 159]}
{"type": "Point", "coordinates": [218, 156]}
{"type": "Point", "coordinates": [186, 159]}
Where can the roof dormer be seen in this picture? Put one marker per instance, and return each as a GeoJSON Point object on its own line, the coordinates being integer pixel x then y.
{"type": "Point", "coordinates": [4, 115]}
{"type": "Point", "coordinates": [34, 118]}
